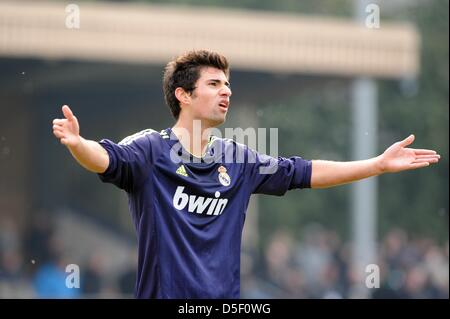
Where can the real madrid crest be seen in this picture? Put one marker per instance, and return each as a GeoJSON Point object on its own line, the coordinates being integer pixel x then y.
{"type": "Point", "coordinates": [224, 178]}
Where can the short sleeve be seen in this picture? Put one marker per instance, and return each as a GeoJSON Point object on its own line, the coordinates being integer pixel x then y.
{"type": "Point", "coordinates": [130, 161]}
{"type": "Point", "coordinates": [275, 176]}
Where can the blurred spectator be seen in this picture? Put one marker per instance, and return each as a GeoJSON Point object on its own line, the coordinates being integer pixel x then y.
{"type": "Point", "coordinates": [10, 266]}
{"type": "Point", "coordinates": [9, 235]}
{"type": "Point", "coordinates": [409, 268]}
{"type": "Point", "coordinates": [314, 255]}
{"type": "Point", "coordinates": [91, 276]}
{"type": "Point", "coordinates": [127, 279]}
{"type": "Point", "coordinates": [37, 237]}
{"type": "Point", "coordinates": [318, 266]}
{"type": "Point", "coordinates": [415, 285]}
{"type": "Point", "coordinates": [278, 262]}
{"type": "Point", "coordinates": [50, 280]}
{"type": "Point", "coordinates": [436, 264]}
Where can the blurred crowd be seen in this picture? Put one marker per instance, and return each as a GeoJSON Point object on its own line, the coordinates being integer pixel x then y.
{"type": "Point", "coordinates": [33, 265]}
{"type": "Point", "coordinates": [319, 266]}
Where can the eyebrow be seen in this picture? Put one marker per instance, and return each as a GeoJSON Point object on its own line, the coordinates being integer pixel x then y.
{"type": "Point", "coordinates": [219, 81]}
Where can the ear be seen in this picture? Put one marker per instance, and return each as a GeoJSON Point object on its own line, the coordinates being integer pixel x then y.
{"type": "Point", "coordinates": [182, 96]}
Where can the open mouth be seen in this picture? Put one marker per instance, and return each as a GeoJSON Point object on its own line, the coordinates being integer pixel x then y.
{"type": "Point", "coordinates": [223, 105]}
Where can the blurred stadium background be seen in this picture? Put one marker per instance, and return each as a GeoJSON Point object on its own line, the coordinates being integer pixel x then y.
{"type": "Point", "coordinates": [333, 87]}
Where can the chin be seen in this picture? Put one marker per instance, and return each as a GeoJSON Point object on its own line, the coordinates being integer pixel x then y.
{"type": "Point", "coordinates": [221, 121]}
{"type": "Point", "coordinates": [217, 121]}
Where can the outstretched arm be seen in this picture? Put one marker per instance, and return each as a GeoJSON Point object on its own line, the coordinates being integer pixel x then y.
{"type": "Point", "coordinates": [398, 157]}
{"type": "Point", "coordinates": [90, 154]}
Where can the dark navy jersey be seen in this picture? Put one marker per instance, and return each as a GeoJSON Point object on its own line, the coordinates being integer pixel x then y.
{"type": "Point", "coordinates": [189, 212]}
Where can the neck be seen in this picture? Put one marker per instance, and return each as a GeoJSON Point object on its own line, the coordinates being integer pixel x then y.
{"type": "Point", "coordinates": [193, 135]}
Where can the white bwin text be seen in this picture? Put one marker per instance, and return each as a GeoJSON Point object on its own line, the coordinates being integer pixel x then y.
{"type": "Point", "coordinates": [199, 204]}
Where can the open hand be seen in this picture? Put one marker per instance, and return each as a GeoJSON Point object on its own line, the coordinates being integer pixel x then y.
{"type": "Point", "coordinates": [398, 157]}
{"type": "Point", "coordinates": [67, 129]}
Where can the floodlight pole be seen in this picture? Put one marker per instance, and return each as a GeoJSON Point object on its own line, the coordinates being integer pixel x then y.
{"type": "Point", "coordinates": [364, 193]}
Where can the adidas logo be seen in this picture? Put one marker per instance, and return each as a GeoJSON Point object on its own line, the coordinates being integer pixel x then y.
{"type": "Point", "coordinates": [181, 171]}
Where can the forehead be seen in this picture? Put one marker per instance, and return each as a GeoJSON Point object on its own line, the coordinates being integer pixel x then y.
{"type": "Point", "coordinates": [207, 73]}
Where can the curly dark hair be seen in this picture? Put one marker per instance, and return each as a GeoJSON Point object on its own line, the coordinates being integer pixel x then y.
{"type": "Point", "coordinates": [184, 71]}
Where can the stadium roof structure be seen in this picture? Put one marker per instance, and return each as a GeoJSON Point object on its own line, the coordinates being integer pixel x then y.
{"type": "Point", "coordinates": [263, 41]}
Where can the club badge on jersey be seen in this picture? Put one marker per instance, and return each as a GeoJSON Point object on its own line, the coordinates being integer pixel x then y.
{"type": "Point", "coordinates": [224, 178]}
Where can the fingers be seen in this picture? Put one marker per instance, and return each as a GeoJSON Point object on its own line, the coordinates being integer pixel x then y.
{"type": "Point", "coordinates": [407, 141]}
{"type": "Point", "coordinates": [67, 112]}
{"type": "Point", "coordinates": [422, 151]}
{"type": "Point", "coordinates": [57, 127]}
{"type": "Point", "coordinates": [64, 129]}
{"type": "Point", "coordinates": [419, 165]}
{"type": "Point", "coordinates": [61, 122]}
{"type": "Point", "coordinates": [60, 135]}
{"type": "Point", "coordinates": [62, 138]}
{"type": "Point", "coordinates": [431, 159]}
{"type": "Point", "coordinates": [426, 160]}
{"type": "Point", "coordinates": [58, 131]}
{"type": "Point", "coordinates": [436, 156]}
{"type": "Point", "coordinates": [58, 121]}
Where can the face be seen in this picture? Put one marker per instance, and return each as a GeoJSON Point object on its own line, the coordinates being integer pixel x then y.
{"type": "Point", "coordinates": [210, 99]}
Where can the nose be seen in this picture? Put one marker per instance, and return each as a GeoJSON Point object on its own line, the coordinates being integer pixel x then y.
{"type": "Point", "coordinates": [226, 91]}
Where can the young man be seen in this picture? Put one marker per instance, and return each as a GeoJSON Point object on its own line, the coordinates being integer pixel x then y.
{"type": "Point", "coordinates": [188, 202]}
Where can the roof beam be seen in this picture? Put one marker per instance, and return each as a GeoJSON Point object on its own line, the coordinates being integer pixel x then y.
{"type": "Point", "coordinates": [138, 33]}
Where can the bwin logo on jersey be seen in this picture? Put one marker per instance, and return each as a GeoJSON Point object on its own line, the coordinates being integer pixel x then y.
{"type": "Point", "coordinates": [199, 204]}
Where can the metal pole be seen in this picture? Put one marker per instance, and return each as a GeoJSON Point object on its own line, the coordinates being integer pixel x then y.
{"type": "Point", "coordinates": [364, 193]}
